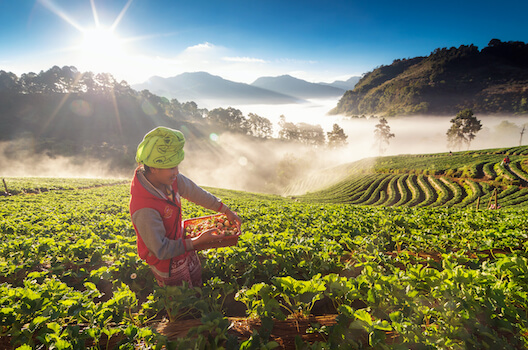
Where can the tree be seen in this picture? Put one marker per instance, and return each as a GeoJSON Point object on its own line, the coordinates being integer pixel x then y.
{"type": "Point", "coordinates": [289, 131]}
{"type": "Point", "coordinates": [259, 126]}
{"type": "Point", "coordinates": [229, 118]}
{"type": "Point", "coordinates": [382, 135]}
{"type": "Point", "coordinates": [190, 109]}
{"type": "Point", "coordinates": [8, 82]}
{"type": "Point", "coordinates": [464, 128]}
{"type": "Point", "coordinates": [312, 135]}
{"type": "Point", "coordinates": [105, 82]}
{"type": "Point", "coordinates": [29, 83]}
{"type": "Point", "coordinates": [337, 137]}
{"type": "Point", "coordinates": [88, 82]}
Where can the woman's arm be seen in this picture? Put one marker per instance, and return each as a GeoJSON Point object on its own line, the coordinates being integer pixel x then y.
{"type": "Point", "coordinates": [150, 227]}
{"type": "Point", "coordinates": [194, 193]}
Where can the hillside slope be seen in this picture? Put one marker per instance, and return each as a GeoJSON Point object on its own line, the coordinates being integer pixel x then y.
{"type": "Point", "coordinates": [289, 85]}
{"type": "Point", "coordinates": [473, 178]}
{"type": "Point", "coordinates": [492, 80]}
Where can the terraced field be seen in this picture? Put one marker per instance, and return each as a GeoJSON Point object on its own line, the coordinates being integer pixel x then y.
{"type": "Point", "coordinates": [461, 179]}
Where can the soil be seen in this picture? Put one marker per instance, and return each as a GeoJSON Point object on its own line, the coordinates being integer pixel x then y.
{"type": "Point", "coordinates": [283, 332]}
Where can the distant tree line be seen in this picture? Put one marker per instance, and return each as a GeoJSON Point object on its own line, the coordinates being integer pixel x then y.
{"type": "Point", "coordinates": [254, 125]}
{"type": "Point", "coordinates": [68, 80]}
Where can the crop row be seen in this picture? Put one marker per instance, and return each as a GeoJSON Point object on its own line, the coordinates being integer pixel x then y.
{"type": "Point", "coordinates": [465, 164]}
{"type": "Point", "coordinates": [420, 190]}
{"type": "Point", "coordinates": [459, 179]}
{"type": "Point", "coordinates": [410, 277]}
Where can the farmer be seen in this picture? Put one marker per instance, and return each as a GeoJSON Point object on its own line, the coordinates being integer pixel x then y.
{"type": "Point", "coordinates": [155, 208]}
{"type": "Point", "coordinates": [506, 161]}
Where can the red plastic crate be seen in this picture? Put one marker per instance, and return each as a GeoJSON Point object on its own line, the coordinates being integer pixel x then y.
{"type": "Point", "coordinates": [231, 239]}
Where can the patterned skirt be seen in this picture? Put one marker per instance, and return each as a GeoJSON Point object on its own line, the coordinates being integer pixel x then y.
{"type": "Point", "coordinates": [187, 268]}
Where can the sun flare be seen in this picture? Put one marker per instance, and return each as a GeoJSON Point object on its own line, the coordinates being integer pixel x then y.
{"type": "Point", "coordinates": [100, 41]}
{"type": "Point", "coordinates": [101, 49]}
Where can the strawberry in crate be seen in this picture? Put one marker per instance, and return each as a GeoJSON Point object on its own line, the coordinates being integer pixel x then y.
{"type": "Point", "coordinates": [194, 227]}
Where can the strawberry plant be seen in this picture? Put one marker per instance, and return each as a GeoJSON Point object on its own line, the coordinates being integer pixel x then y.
{"type": "Point", "coordinates": [261, 301]}
{"type": "Point", "coordinates": [401, 276]}
{"type": "Point", "coordinates": [298, 297]}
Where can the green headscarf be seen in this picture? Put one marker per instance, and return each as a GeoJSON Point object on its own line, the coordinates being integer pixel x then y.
{"type": "Point", "coordinates": [161, 148]}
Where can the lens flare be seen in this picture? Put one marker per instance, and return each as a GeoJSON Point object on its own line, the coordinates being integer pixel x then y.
{"type": "Point", "coordinates": [81, 107]}
{"type": "Point", "coordinates": [243, 161]}
{"type": "Point", "coordinates": [148, 108]}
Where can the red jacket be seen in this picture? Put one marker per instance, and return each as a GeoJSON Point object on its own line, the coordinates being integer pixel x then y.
{"type": "Point", "coordinates": [170, 213]}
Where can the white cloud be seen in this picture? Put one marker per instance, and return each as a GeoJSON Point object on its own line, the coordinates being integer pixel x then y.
{"type": "Point", "coordinates": [244, 60]}
{"type": "Point", "coordinates": [205, 47]}
{"type": "Point", "coordinates": [294, 61]}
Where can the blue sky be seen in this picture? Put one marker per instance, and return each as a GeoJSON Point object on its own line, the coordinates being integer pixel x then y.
{"type": "Point", "coordinates": [318, 41]}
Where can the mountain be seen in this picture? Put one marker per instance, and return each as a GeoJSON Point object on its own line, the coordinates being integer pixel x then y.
{"type": "Point", "coordinates": [348, 84]}
{"type": "Point", "coordinates": [206, 89]}
{"type": "Point", "coordinates": [493, 80]}
{"type": "Point", "coordinates": [286, 84]}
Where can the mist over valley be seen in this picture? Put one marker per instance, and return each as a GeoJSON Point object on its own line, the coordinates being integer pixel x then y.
{"type": "Point", "coordinates": [234, 161]}
{"type": "Point", "coordinates": [268, 136]}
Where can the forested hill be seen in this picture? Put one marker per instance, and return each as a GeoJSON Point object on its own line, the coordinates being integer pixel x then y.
{"type": "Point", "coordinates": [63, 112]}
{"type": "Point", "coordinates": [493, 80]}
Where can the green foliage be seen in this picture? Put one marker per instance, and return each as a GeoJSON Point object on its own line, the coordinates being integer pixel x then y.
{"type": "Point", "coordinates": [299, 297]}
{"type": "Point", "coordinates": [17, 185]}
{"type": "Point", "coordinates": [394, 277]}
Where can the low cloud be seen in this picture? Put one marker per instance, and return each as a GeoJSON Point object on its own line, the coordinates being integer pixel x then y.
{"type": "Point", "coordinates": [18, 159]}
{"type": "Point", "coordinates": [272, 166]}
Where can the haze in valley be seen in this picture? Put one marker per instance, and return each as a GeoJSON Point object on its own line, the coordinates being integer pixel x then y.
{"type": "Point", "coordinates": [235, 162]}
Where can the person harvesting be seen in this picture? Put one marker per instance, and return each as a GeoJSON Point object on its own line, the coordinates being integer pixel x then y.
{"type": "Point", "coordinates": [155, 208]}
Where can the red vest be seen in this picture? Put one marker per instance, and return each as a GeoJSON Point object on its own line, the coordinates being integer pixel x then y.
{"type": "Point", "coordinates": [170, 213]}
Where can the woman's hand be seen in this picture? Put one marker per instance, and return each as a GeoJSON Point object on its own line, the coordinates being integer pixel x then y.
{"type": "Point", "coordinates": [233, 217]}
{"type": "Point", "coordinates": [208, 239]}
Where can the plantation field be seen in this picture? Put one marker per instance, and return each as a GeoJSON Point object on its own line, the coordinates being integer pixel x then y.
{"type": "Point", "coordinates": [461, 179]}
{"type": "Point", "coordinates": [17, 185]}
{"type": "Point", "coordinates": [305, 274]}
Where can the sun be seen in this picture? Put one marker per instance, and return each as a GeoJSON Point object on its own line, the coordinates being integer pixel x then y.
{"type": "Point", "coordinates": [100, 42]}
{"type": "Point", "coordinates": [101, 50]}
{"type": "Point", "coordinates": [98, 49]}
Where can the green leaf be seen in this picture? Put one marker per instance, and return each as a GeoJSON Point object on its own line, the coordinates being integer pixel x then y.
{"type": "Point", "coordinates": [364, 316]}
{"type": "Point", "coordinates": [383, 325]}
{"type": "Point", "coordinates": [24, 347]}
